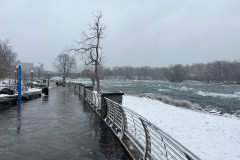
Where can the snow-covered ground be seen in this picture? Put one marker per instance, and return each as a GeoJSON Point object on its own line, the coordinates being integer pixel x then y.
{"type": "Point", "coordinates": [33, 90]}
{"type": "Point", "coordinates": [4, 95]}
{"type": "Point", "coordinates": [210, 137]}
{"type": "Point", "coordinates": [30, 90]}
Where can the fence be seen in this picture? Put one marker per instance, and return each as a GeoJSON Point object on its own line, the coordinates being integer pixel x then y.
{"type": "Point", "coordinates": [150, 141]}
{"type": "Point", "coordinates": [94, 100]}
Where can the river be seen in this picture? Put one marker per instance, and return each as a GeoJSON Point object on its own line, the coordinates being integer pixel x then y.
{"type": "Point", "coordinates": [220, 97]}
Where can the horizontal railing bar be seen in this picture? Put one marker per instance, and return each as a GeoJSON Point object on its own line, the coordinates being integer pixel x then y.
{"type": "Point", "coordinates": [167, 147]}
{"type": "Point", "coordinates": [156, 155]}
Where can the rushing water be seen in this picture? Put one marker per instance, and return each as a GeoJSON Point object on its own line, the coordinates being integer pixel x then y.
{"type": "Point", "coordinates": [224, 98]}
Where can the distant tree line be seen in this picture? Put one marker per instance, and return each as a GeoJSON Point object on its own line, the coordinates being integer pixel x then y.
{"type": "Point", "coordinates": [218, 71]}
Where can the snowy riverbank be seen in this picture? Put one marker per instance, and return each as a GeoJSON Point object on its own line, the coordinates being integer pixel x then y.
{"type": "Point", "coordinates": [210, 137]}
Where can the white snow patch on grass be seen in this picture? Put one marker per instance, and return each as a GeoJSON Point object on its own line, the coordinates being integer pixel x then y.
{"type": "Point", "coordinates": [210, 137]}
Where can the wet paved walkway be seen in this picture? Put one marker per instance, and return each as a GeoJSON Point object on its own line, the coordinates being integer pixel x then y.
{"type": "Point", "coordinates": [60, 126]}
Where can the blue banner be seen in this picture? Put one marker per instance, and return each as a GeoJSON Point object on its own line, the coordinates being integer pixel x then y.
{"type": "Point", "coordinates": [19, 84]}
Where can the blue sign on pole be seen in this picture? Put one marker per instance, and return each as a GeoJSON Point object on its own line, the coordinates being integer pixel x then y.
{"type": "Point", "coordinates": [19, 84]}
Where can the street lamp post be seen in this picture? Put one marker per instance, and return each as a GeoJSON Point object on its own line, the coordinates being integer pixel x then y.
{"type": "Point", "coordinates": [62, 81]}
{"type": "Point", "coordinates": [32, 78]}
{"type": "Point", "coordinates": [48, 79]}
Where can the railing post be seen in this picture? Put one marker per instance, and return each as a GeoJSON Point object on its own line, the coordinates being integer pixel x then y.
{"type": "Point", "coordinates": [81, 89]}
{"type": "Point", "coordinates": [73, 86]}
{"type": "Point", "coordinates": [114, 114]}
{"type": "Point", "coordinates": [124, 122]}
{"type": "Point", "coordinates": [147, 148]}
{"type": "Point", "coordinates": [77, 87]}
{"type": "Point", "coordinates": [89, 88]}
{"type": "Point", "coordinates": [115, 96]}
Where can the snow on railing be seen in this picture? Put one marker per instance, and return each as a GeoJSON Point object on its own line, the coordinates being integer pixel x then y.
{"type": "Point", "coordinates": [93, 99]}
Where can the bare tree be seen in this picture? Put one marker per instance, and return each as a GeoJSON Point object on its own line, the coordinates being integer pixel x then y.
{"type": "Point", "coordinates": [64, 64]}
{"type": "Point", "coordinates": [7, 59]}
{"type": "Point", "coordinates": [88, 71]}
{"type": "Point", "coordinates": [90, 45]}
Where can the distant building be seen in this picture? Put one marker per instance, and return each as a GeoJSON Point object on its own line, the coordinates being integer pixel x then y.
{"type": "Point", "coordinates": [26, 67]}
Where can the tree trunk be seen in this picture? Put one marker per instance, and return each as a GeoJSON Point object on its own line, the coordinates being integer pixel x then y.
{"type": "Point", "coordinates": [63, 81]}
{"type": "Point", "coordinates": [93, 82]}
{"type": "Point", "coordinates": [97, 78]}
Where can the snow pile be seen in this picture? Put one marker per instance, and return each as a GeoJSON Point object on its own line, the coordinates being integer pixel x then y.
{"type": "Point", "coordinates": [30, 90]}
{"type": "Point", "coordinates": [4, 95]}
{"type": "Point", "coordinates": [35, 83]}
{"type": "Point", "coordinates": [208, 136]}
{"type": "Point", "coordinates": [33, 90]}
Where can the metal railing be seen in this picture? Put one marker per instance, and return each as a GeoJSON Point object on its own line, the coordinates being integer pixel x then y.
{"type": "Point", "coordinates": [152, 142]}
{"type": "Point", "coordinates": [77, 88]}
{"type": "Point", "coordinates": [93, 99]}
{"type": "Point", "coordinates": [81, 90]}
{"type": "Point", "coordinates": [71, 85]}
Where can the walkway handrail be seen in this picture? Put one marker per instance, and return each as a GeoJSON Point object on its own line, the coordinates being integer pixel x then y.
{"type": "Point", "coordinates": [81, 90]}
{"type": "Point", "coordinates": [152, 142]}
{"type": "Point", "coordinates": [93, 99]}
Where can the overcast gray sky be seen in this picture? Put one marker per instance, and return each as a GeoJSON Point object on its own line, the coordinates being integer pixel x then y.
{"type": "Point", "coordinates": [140, 32]}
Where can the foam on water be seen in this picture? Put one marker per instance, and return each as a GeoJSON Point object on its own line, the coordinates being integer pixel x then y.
{"type": "Point", "coordinates": [162, 90]}
{"type": "Point", "coordinates": [237, 93]}
{"type": "Point", "coordinates": [218, 96]}
{"type": "Point", "coordinates": [185, 89]}
{"type": "Point", "coordinates": [211, 94]}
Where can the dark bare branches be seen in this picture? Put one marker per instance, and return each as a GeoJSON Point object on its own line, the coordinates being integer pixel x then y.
{"type": "Point", "coordinates": [88, 71]}
{"type": "Point", "coordinates": [90, 45]}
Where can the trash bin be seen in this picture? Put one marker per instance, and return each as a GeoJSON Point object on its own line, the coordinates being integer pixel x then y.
{"type": "Point", "coordinates": [45, 91]}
